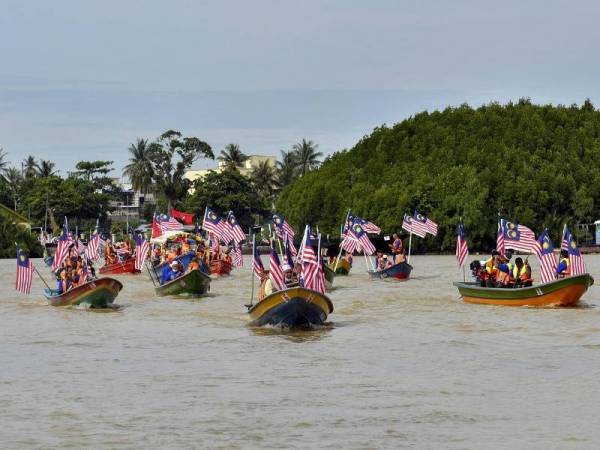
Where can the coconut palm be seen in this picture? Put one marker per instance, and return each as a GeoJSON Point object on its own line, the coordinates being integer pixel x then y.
{"type": "Point", "coordinates": [46, 168]}
{"type": "Point", "coordinates": [13, 180]}
{"type": "Point", "coordinates": [139, 170]}
{"type": "Point", "coordinates": [306, 155]}
{"type": "Point", "coordinates": [3, 162]}
{"type": "Point", "coordinates": [287, 169]}
{"type": "Point", "coordinates": [30, 167]}
{"type": "Point", "coordinates": [265, 178]}
{"type": "Point", "coordinates": [232, 156]}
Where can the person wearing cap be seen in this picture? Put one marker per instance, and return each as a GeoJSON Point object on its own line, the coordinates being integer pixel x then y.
{"type": "Point", "coordinates": [266, 285]}
{"type": "Point", "coordinates": [564, 265]}
{"type": "Point", "coordinates": [170, 272]}
{"type": "Point", "coordinates": [386, 263]}
{"type": "Point", "coordinates": [287, 274]}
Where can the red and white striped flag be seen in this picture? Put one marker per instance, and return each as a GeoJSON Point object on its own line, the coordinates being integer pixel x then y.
{"type": "Point", "coordinates": [462, 249]}
{"type": "Point", "coordinates": [576, 261]}
{"type": "Point", "coordinates": [519, 237]}
{"type": "Point", "coordinates": [275, 271]}
{"type": "Point", "coordinates": [91, 251]}
{"type": "Point", "coordinates": [349, 243]}
{"type": "Point", "coordinates": [237, 259]}
{"type": "Point", "coordinates": [359, 234]}
{"type": "Point", "coordinates": [545, 254]}
{"type": "Point", "coordinates": [142, 247]}
{"type": "Point", "coordinates": [312, 271]}
{"type": "Point", "coordinates": [500, 237]}
{"type": "Point", "coordinates": [212, 223]}
{"type": "Point", "coordinates": [215, 246]}
{"type": "Point", "coordinates": [257, 265]}
{"type": "Point", "coordinates": [422, 223]}
{"type": "Point", "coordinates": [235, 229]}
{"type": "Point", "coordinates": [24, 272]}
{"type": "Point", "coordinates": [282, 227]}
{"type": "Point", "coordinates": [408, 225]}
{"type": "Point", "coordinates": [62, 248]}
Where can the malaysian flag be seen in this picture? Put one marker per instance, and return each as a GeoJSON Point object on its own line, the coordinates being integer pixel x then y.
{"type": "Point", "coordinates": [62, 248]}
{"type": "Point", "coordinates": [312, 271]}
{"type": "Point", "coordinates": [212, 223]}
{"type": "Point", "coordinates": [24, 272]}
{"type": "Point", "coordinates": [575, 258]}
{"type": "Point", "coordinates": [236, 256]}
{"type": "Point", "coordinates": [91, 251]}
{"type": "Point", "coordinates": [462, 249]}
{"type": "Point", "coordinates": [290, 252]}
{"type": "Point", "coordinates": [359, 234]}
{"type": "Point", "coordinates": [545, 254]}
{"type": "Point", "coordinates": [500, 247]}
{"type": "Point", "coordinates": [142, 247]}
{"type": "Point", "coordinates": [347, 223]}
{"type": "Point", "coordinates": [257, 264]}
{"type": "Point", "coordinates": [167, 223]}
{"type": "Point", "coordinates": [275, 271]}
{"type": "Point", "coordinates": [408, 225]}
{"type": "Point", "coordinates": [519, 237]}
{"type": "Point", "coordinates": [367, 225]}
{"type": "Point", "coordinates": [215, 246]}
{"type": "Point", "coordinates": [282, 227]}
{"type": "Point", "coordinates": [235, 229]}
{"type": "Point", "coordinates": [428, 225]}
{"type": "Point", "coordinates": [225, 235]}
{"type": "Point", "coordinates": [349, 243]}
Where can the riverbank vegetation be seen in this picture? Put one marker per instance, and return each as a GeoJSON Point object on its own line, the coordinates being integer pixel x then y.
{"type": "Point", "coordinates": [539, 165]}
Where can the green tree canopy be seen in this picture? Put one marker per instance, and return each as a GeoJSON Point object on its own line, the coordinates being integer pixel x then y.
{"type": "Point", "coordinates": [538, 165]}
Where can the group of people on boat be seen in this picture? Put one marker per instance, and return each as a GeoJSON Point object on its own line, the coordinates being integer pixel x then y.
{"type": "Point", "coordinates": [72, 272]}
{"type": "Point", "coordinates": [291, 277]}
{"type": "Point", "coordinates": [383, 261]}
{"type": "Point", "coordinates": [115, 253]}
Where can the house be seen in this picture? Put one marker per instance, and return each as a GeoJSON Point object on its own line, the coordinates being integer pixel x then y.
{"type": "Point", "coordinates": [245, 169]}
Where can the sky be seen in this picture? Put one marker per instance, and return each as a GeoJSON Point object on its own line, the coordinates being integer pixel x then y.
{"type": "Point", "coordinates": [82, 80]}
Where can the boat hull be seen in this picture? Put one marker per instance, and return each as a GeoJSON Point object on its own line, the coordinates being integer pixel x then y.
{"type": "Point", "coordinates": [99, 293]}
{"type": "Point", "coordinates": [563, 292]}
{"type": "Point", "coordinates": [127, 266]}
{"type": "Point", "coordinates": [295, 307]}
{"type": "Point", "coordinates": [400, 271]}
{"type": "Point", "coordinates": [343, 267]}
{"type": "Point", "coordinates": [329, 277]}
{"type": "Point", "coordinates": [220, 267]}
{"type": "Point", "coordinates": [194, 283]}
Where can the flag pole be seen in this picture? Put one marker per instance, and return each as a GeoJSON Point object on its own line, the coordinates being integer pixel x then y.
{"type": "Point", "coordinates": [42, 278]}
{"type": "Point", "coordinates": [249, 305]}
{"type": "Point", "coordinates": [338, 258]}
{"type": "Point", "coordinates": [409, 247]}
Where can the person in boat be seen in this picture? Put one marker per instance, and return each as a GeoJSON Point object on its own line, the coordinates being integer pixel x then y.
{"type": "Point", "coordinates": [170, 273]}
{"type": "Point", "coordinates": [397, 248]}
{"type": "Point", "coordinates": [185, 247]}
{"type": "Point", "coordinates": [297, 274]}
{"type": "Point", "coordinates": [479, 273]}
{"type": "Point", "coordinates": [563, 269]}
{"type": "Point", "coordinates": [378, 261]}
{"type": "Point", "coordinates": [521, 273]}
{"type": "Point", "coordinates": [194, 264]}
{"type": "Point", "coordinates": [227, 256]}
{"type": "Point", "coordinates": [288, 275]}
{"type": "Point", "coordinates": [109, 253]}
{"type": "Point", "coordinates": [266, 285]}
{"type": "Point", "coordinates": [62, 281]}
{"type": "Point", "coordinates": [348, 257]}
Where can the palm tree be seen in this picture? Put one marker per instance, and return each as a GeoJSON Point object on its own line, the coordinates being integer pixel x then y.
{"type": "Point", "coordinates": [30, 167]}
{"type": "Point", "coordinates": [232, 156]}
{"type": "Point", "coordinates": [265, 178]}
{"type": "Point", "coordinates": [13, 180]}
{"type": "Point", "coordinates": [307, 155]}
{"type": "Point", "coordinates": [3, 163]}
{"type": "Point", "coordinates": [287, 169]}
{"type": "Point", "coordinates": [139, 170]}
{"type": "Point", "coordinates": [46, 168]}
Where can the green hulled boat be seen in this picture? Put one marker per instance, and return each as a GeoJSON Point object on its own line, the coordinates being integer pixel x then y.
{"type": "Point", "coordinates": [194, 283]}
{"type": "Point", "coordinates": [563, 292]}
{"type": "Point", "coordinates": [99, 293]}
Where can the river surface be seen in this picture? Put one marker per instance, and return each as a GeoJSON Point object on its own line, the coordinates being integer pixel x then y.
{"type": "Point", "coordinates": [403, 364]}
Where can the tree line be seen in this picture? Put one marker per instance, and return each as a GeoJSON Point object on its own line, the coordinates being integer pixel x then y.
{"type": "Point", "coordinates": [535, 164]}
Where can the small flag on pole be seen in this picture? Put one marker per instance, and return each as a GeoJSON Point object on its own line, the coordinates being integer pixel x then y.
{"type": "Point", "coordinates": [545, 254]}
{"type": "Point", "coordinates": [462, 249]}
{"type": "Point", "coordinates": [568, 243]}
{"type": "Point", "coordinates": [24, 272]}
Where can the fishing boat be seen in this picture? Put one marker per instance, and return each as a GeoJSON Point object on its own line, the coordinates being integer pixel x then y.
{"type": "Point", "coordinates": [98, 293]}
{"type": "Point", "coordinates": [295, 307]}
{"type": "Point", "coordinates": [127, 266]}
{"type": "Point", "coordinates": [193, 283]}
{"type": "Point", "coordinates": [220, 267]}
{"type": "Point", "coordinates": [329, 277]}
{"type": "Point", "coordinates": [400, 271]}
{"type": "Point", "coordinates": [343, 267]}
{"type": "Point", "coordinates": [563, 292]}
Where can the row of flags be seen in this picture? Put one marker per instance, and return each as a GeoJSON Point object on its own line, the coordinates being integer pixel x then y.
{"type": "Point", "coordinates": [227, 230]}
{"type": "Point", "coordinates": [515, 236]}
